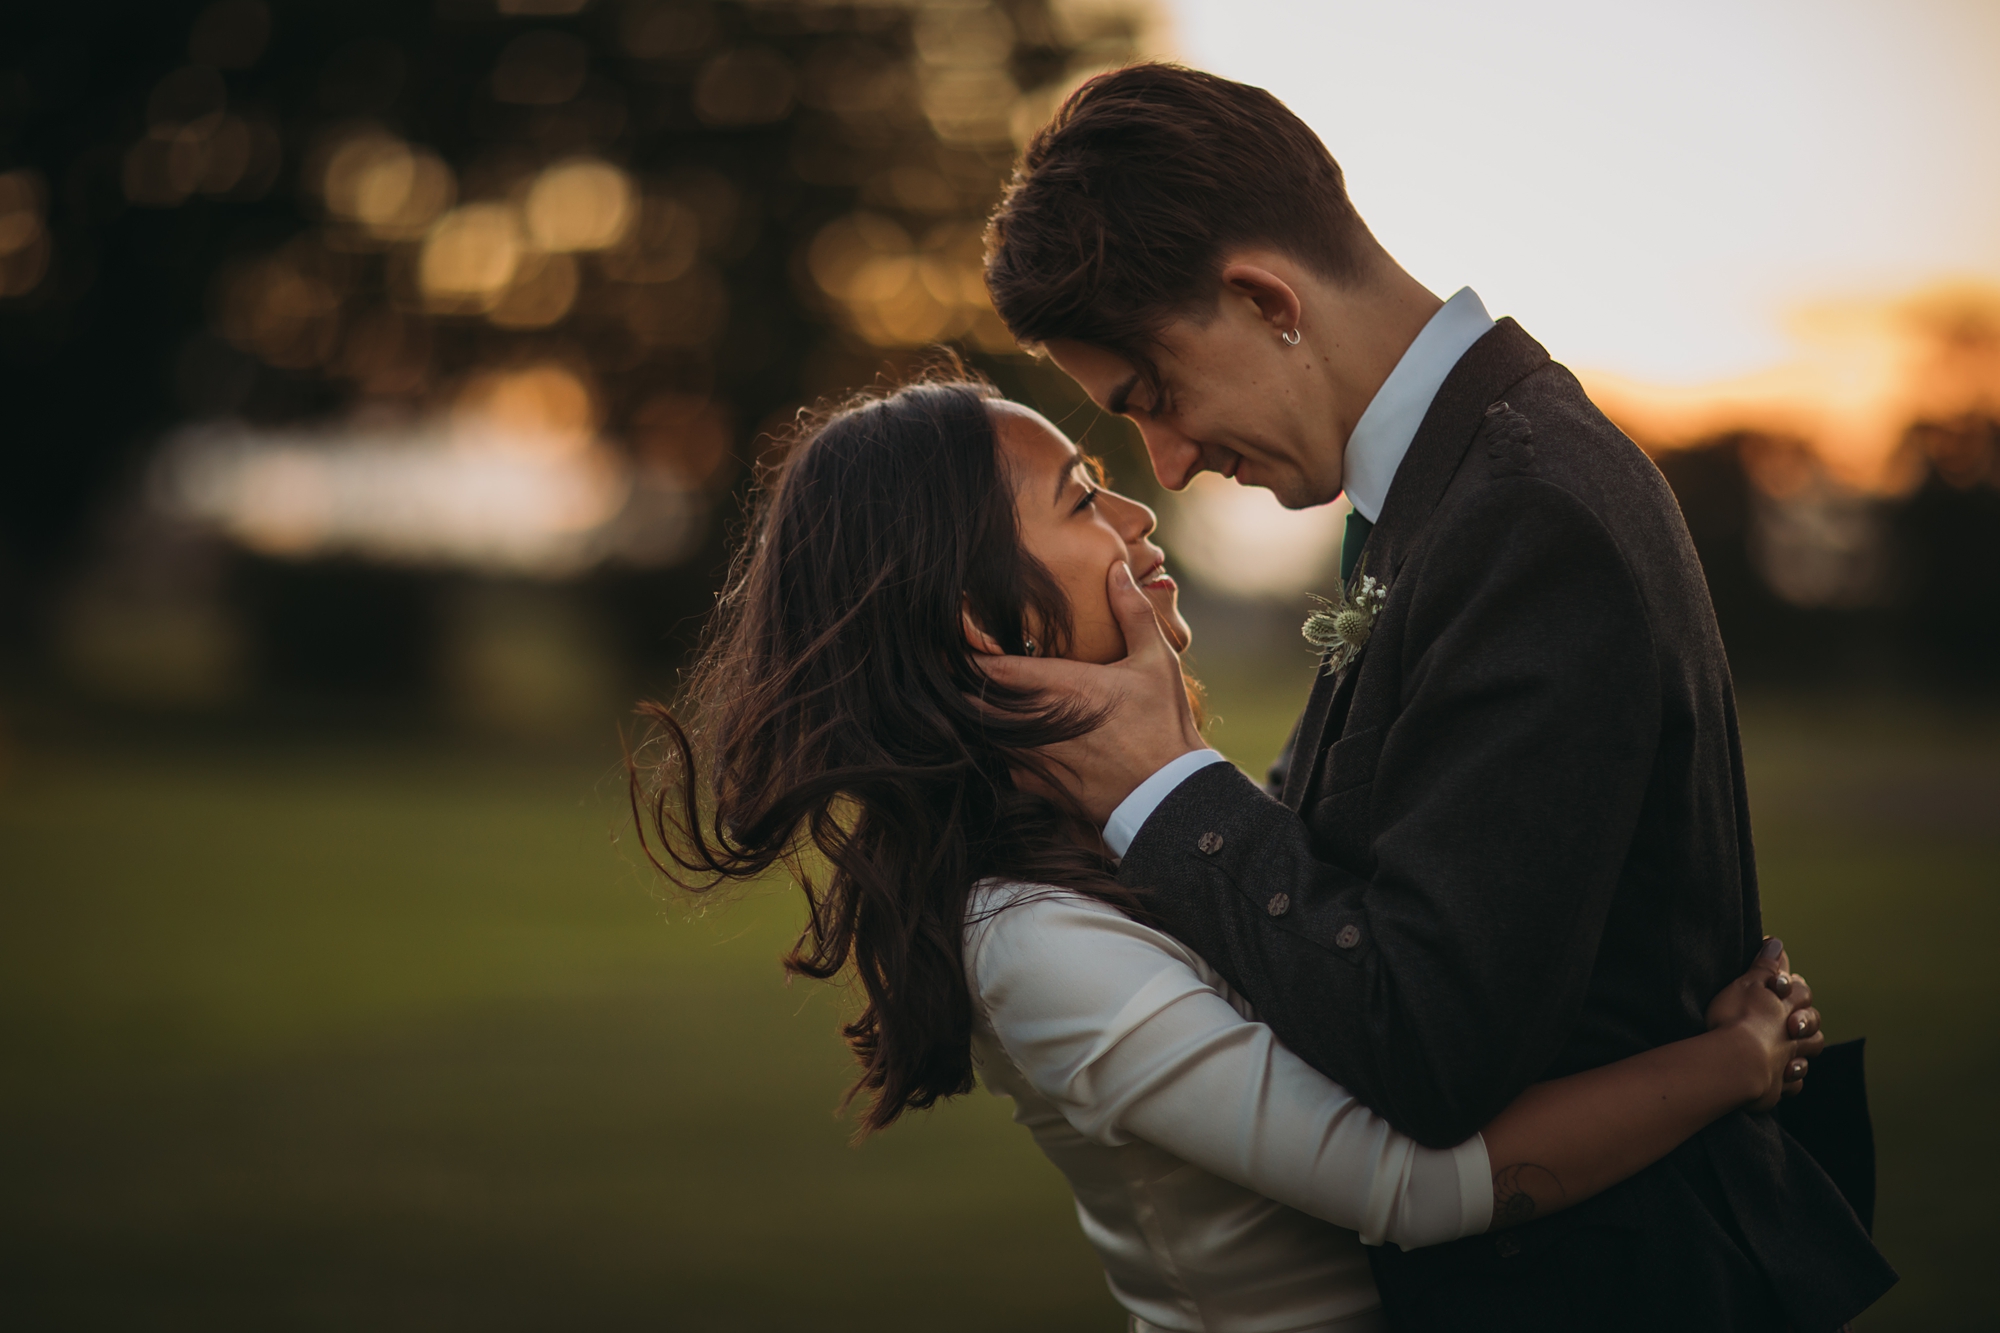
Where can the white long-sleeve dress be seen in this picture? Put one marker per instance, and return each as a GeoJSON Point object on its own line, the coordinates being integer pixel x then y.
{"type": "Point", "coordinates": [1227, 1186]}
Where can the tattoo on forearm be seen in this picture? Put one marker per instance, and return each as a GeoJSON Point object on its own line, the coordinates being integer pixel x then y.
{"type": "Point", "coordinates": [1512, 1205]}
{"type": "Point", "coordinates": [1514, 1189]}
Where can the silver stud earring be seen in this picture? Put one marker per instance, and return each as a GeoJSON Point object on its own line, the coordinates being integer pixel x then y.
{"type": "Point", "coordinates": [1290, 339]}
{"type": "Point", "coordinates": [1034, 649]}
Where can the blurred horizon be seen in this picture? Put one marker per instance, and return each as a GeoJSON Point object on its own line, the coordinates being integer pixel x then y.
{"type": "Point", "coordinates": [420, 314]}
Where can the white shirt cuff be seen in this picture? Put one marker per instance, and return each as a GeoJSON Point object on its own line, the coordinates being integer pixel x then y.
{"type": "Point", "coordinates": [1133, 812]}
{"type": "Point", "coordinates": [1475, 1186]}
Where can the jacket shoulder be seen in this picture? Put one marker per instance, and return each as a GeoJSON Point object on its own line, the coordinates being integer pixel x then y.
{"type": "Point", "coordinates": [1549, 429]}
{"type": "Point", "coordinates": [1574, 438]}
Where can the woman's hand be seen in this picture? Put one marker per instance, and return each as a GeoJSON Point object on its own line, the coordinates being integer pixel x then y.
{"type": "Point", "coordinates": [1771, 1007]}
{"type": "Point", "coordinates": [1564, 1140]}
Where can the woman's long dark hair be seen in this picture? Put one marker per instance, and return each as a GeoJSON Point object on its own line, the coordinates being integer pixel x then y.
{"type": "Point", "coordinates": [836, 723]}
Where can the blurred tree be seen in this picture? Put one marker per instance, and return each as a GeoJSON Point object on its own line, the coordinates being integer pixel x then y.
{"type": "Point", "coordinates": [1948, 536]}
{"type": "Point", "coordinates": [1921, 600]}
{"type": "Point", "coordinates": [689, 216]}
{"type": "Point", "coordinates": [650, 229]}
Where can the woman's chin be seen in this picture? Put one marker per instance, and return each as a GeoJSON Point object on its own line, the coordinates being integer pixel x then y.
{"type": "Point", "coordinates": [1167, 610]}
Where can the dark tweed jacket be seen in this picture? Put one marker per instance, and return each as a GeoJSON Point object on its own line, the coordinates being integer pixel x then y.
{"type": "Point", "coordinates": [1513, 843]}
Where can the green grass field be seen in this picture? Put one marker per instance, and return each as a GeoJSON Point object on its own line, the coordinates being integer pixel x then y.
{"type": "Point", "coordinates": [339, 1035]}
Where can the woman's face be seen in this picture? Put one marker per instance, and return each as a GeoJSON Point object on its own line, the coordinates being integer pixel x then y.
{"type": "Point", "coordinates": [1078, 530]}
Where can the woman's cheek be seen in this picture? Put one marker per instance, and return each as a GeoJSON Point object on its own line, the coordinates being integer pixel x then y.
{"type": "Point", "coordinates": [1098, 638]}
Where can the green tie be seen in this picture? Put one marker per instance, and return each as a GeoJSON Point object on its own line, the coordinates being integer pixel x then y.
{"type": "Point", "coordinates": [1358, 529]}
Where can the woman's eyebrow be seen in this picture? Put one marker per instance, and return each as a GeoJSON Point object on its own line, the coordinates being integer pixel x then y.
{"type": "Point", "coordinates": [1062, 478]}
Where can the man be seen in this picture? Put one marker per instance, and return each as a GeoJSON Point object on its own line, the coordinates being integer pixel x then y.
{"type": "Point", "coordinates": [1509, 839]}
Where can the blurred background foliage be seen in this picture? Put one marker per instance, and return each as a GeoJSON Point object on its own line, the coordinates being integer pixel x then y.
{"type": "Point", "coordinates": [383, 385]}
{"type": "Point", "coordinates": [338, 334]}
{"type": "Point", "coordinates": [423, 352]}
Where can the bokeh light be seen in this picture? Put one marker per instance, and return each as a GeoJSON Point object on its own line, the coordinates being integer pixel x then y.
{"type": "Point", "coordinates": [470, 256]}
{"type": "Point", "coordinates": [24, 232]}
{"type": "Point", "coordinates": [194, 145]}
{"type": "Point", "coordinates": [580, 204]}
{"type": "Point", "coordinates": [549, 225]}
{"type": "Point", "coordinates": [285, 307]}
{"type": "Point", "coordinates": [387, 189]}
{"type": "Point", "coordinates": [544, 411]}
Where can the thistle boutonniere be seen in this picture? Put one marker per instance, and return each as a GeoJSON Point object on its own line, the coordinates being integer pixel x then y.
{"type": "Point", "coordinates": [1340, 628]}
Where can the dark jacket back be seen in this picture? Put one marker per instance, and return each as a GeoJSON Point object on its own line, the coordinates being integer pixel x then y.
{"type": "Point", "coordinates": [1514, 843]}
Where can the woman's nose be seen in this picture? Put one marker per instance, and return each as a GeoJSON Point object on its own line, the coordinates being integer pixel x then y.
{"type": "Point", "coordinates": [1135, 521]}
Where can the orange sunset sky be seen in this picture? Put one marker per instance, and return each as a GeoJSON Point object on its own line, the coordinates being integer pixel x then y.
{"type": "Point", "coordinates": [1766, 213]}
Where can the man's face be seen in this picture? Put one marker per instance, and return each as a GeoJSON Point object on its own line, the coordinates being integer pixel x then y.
{"type": "Point", "coordinates": [1232, 398]}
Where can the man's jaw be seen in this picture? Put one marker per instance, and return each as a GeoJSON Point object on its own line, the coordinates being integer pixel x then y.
{"type": "Point", "coordinates": [1293, 490]}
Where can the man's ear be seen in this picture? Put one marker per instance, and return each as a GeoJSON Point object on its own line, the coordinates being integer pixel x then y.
{"type": "Point", "coordinates": [981, 641]}
{"type": "Point", "coordinates": [1277, 302]}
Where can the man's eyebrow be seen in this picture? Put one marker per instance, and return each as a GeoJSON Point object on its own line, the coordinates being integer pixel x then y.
{"type": "Point", "coordinates": [1062, 478]}
{"type": "Point", "coordinates": [1121, 393]}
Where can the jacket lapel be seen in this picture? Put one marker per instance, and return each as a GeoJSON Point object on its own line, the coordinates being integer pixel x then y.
{"type": "Point", "coordinates": [1491, 366]}
{"type": "Point", "coordinates": [1496, 363]}
{"type": "Point", "coordinates": [1312, 728]}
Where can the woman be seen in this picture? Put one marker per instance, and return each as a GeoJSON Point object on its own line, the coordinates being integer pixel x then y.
{"type": "Point", "coordinates": [839, 723]}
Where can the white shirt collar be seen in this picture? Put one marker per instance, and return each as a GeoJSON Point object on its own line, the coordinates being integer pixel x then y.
{"type": "Point", "coordinates": [1385, 430]}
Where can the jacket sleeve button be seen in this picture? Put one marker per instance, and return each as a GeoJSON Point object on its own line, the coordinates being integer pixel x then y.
{"type": "Point", "coordinates": [1209, 842]}
{"type": "Point", "coordinates": [1280, 904]}
{"type": "Point", "coordinates": [1348, 936]}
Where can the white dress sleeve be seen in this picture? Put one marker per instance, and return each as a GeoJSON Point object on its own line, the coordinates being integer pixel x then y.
{"type": "Point", "coordinates": [1112, 1021]}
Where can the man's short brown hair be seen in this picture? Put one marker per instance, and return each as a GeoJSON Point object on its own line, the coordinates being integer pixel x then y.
{"type": "Point", "coordinates": [1119, 214]}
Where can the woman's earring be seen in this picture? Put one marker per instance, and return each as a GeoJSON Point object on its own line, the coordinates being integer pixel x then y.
{"type": "Point", "coordinates": [1291, 339]}
{"type": "Point", "coordinates": [1034, 649]}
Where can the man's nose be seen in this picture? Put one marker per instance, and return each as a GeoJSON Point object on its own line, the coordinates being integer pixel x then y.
{"type": "Point", "coordinates": [1175, 458]}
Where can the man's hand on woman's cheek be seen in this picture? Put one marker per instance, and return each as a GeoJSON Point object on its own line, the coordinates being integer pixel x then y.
{"type": "Point", "coordinates": [1147, 723]}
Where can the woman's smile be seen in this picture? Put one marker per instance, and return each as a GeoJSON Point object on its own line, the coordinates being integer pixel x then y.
{"type": "Point", "coordinates": [1154, 575]}
{"type": "Point", "coordinates": [1078, 529]}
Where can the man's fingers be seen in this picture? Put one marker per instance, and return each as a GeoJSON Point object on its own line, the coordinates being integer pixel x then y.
{"type": "Point", "coordinates": [1033, 673]}
{"type": "Point", "coordinates": [1143, 635]}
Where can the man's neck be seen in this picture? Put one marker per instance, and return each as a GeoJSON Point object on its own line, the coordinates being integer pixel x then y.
{"type": "Point", "coordinates": [1389, 313]}
{"type": "Point", "coordinates": [1366, 328]}
{"type": "Point", "coordinates": [1376, 446]}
